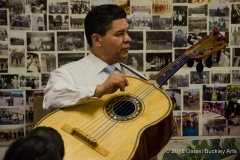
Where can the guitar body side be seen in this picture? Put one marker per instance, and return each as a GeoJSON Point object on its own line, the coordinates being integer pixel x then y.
{"type": "Point", "coordinates": [136, 139]}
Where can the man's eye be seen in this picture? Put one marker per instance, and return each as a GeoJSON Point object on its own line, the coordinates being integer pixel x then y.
{"type": "Point", "coordinates": [119, 34]}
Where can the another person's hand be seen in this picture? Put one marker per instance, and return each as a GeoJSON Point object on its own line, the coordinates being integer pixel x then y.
{"type": "Point", "coordinates": [111, 85]}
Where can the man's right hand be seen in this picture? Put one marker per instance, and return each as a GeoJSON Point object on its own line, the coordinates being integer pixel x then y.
{"type": "Point", "coordinates": [111, 85]}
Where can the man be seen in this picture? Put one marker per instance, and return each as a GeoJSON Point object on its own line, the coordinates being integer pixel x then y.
{"type": "Point", "coordinates": [78, 82]}
{"type": "Point", "coordinates": [106, 30]}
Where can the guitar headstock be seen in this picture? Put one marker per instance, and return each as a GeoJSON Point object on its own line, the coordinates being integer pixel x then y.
{"type": "Point", "coordinates": [206, 47]}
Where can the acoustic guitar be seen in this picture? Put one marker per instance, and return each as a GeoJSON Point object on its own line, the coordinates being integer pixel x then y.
{"type": "Point", "coordinates": [135, 124]}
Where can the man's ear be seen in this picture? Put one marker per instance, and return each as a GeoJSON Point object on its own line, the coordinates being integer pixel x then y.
{"type": "Point", "coordinates": [96, 40]}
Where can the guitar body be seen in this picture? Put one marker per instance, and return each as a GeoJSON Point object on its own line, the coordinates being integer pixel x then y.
{"type": "Point", "coordinates": [140, 135]}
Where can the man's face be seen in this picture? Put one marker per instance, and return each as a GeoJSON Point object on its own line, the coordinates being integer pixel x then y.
{"type": "Point", "coordinates": [116, 43]}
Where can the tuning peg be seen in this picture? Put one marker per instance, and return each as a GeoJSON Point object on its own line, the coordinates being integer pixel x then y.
{"type": "Point", "coordinates": [190, 63]}
{"type": "Point", "coordinates": [209, 62]}
{"type": "Point", "coordinates": [218, 56]}
{"type": "Point", "coordinates": [199, 66]}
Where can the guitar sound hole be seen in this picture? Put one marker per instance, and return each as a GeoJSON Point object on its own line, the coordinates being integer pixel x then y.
{"type": "Point", "coordinates": [123, 108]}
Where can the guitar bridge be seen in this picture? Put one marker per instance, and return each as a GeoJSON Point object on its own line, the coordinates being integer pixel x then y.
{"type": "Point", "coordinates": [83, 137]}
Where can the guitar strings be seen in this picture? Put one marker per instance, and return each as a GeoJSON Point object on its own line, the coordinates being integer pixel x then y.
{"type": "Point", "coordinates": [108, 109]}
{"type": "Point", "coordinates": [105, 123]}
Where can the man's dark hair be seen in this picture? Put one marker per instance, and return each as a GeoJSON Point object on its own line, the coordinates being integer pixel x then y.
{"type": "Point", "coordinates": [100, 18]}
{"type": "Point", "coordinates": [51, 135]}
{"type": "Point", "coordinates": [32, 148]}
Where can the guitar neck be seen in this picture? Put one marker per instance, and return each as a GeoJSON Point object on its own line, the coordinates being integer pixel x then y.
{"type": "Point", "coordinates": [169, 70]}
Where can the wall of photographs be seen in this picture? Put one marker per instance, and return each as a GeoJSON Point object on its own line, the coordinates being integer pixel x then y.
{"type": "Point", "coordinates": [38, 36]}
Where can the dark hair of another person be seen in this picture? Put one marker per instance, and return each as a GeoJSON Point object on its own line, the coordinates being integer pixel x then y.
{"type": "Point", "coordinates": [51, 135]}
{"type": "Point", "coordinates": [99, 20]}
{"type": "Point", "coordinates": [32, 148]}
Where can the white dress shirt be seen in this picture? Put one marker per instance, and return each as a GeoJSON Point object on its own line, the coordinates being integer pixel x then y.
{"type": "Point", "coordinates": [75, 83]}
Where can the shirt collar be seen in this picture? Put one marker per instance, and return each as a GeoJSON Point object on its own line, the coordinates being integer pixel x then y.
{"type": "Point", "coordinates": [99, 65]}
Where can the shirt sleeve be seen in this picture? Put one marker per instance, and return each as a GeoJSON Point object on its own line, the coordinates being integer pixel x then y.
{"type": "Point", "coordinates": [60, 92]}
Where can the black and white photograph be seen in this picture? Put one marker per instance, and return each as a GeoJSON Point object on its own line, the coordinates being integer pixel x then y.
{"type": "Point", "coordinates": [235, 13]}
{"type": "Point", "coordinates": [197, 24]}
{"type": "Point", "coordinates": [95, 3]}
{"type": "Point", "coordinates": [64, 58]}
{"type": "Point", "coordinates": [10, 133]}
{"type": "Point", "coordinates": [191, 99]}
{"type": "Point", "coordinates": [58, 22]}
{"type": "Point", "coordinates": [158, 40]}
{"type": "Point", "coordinates": [194, 37]}
{"type": "Point", "coordinates": [33, 63]}
{"type": "Point", "coordinates": [58, 7]}
{"type": "Point", "coordinates": [20, 22]}
{"type": "Point", "coordinates": [180, 16]}
{"type": "Point", "coordinates": [3, 33]}
{"type": "Point", "coordinates": [214, 127]}
{"type": "Point", "coordinates": [220, 76]}
{"type": "Point", "coordinates": [137, 40]}
{"type": "Point", "coordinates": [135, 60]}
{"type": "Point", "coordinates": [124, 4]}
{"type": "Point", "coordinates": [40, 41]}
{"type": "Point", "coordinates": [48, 62]}
{"type": "Point", "coordinates": [199, 78]}
{"type": "Point", "coordinates": [179, 80]}
{"type": "Point", "coordinates": [9, 81]}
{"type": "Point", "coordinates": [3, 65]}
{"type": "Point", "coordinates": [162, 22]}
{"type": "Point", "coordinates": [140, 7]}
{"type": "Point", "coordinates": [234, 38]}
{"type": "Point", "coordinates": [213, 92]}
{"type": "Point", "coordinates": [3, 17]}
{"type": "Point", "coordinates": [79, 6]}
{"type": "Point", "coordinates": [32, 80]}
{"type": "Point", "coordinates": [162, 7]}
{"type": "Point", "coordinates": [16, 7]}
{"type": "Point", "coordinates": [222, 59]}
{"type": "Point", "coordinates": [36, 6]}
{"type": "Point", "coordinates": [218, 10]}
{"type": "Point", "coordinates": [16, 57]}
{"type": "Point", "coordinates": [70, 41]}
{"type": "Point", "coordinates": [180, 37]}
{"type": "Point", "coordinates": [142, 22]}
{"type": "Point", "coordinates": [16, 38]}
{"type": "Point", "coordinates": [157, 61]}
{"type": "Point", "coordinates": [235, 76]}
{"type": "Point", "coordinates": [175, 96]}
{"type": "Point", "coordinates": [3, 49]}
{"type": "Point", "coordinates": [221, 23]}
{"type": "Point", "coordinates": [39, 22]}
{"type": "Point", "coordinates": [197, 10]}
{"type": "Point", "coordinates": [213, 109]}
{"type": "Point", "coordinates": [45, 78]}
{"type": "Point", "coordinates": [76, 22]}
